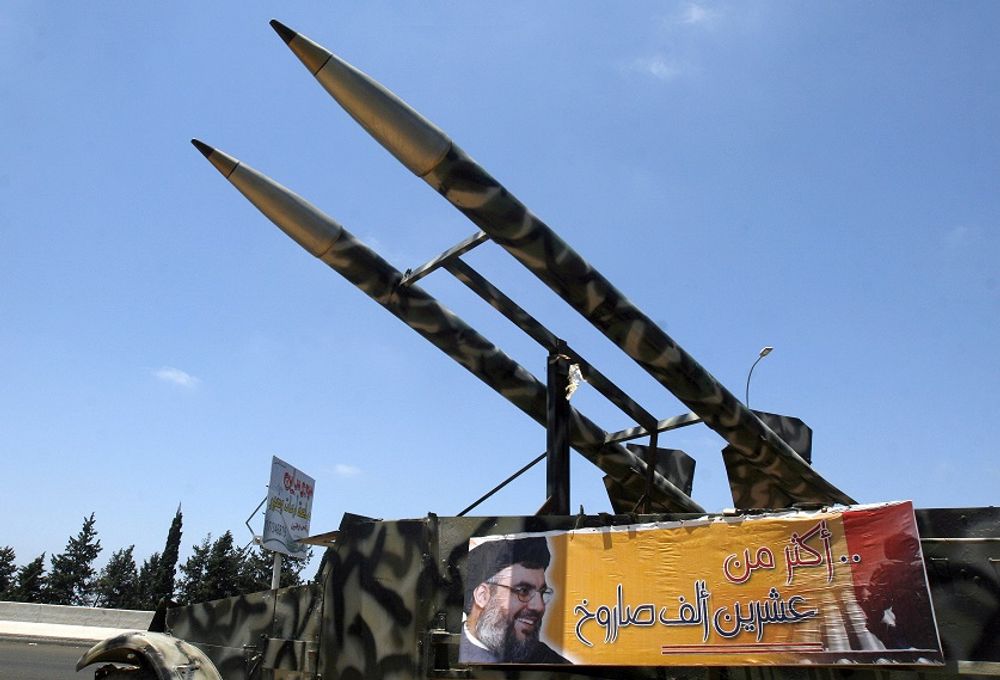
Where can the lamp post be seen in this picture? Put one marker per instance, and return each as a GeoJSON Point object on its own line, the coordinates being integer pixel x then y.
{"type": "Point", "coordinates": [763, 353]}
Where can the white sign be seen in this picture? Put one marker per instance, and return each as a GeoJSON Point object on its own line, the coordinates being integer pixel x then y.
{"type": "Point", "coordinates": [289, 509]}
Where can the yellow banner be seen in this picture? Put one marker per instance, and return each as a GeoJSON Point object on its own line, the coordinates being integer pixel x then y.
{"type": "Point", "coordinates": [819, 587]}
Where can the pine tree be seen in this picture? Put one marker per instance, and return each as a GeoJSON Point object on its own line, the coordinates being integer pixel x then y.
{"type": "Point", "coordinates": [218, 569]}
{"type": "Point", "coordinates": [222, 571]}
{"type": "Point", "coordinates": [213, 571]}
{"type": "Point", "coordinates": [71, 578]}
{"type": "Point", "coordinates": [163, 581]}
{"type": "Point", "coordinates": [8, 568]}
{"type": "Point", "coordinates": [145, 596]}
{"type": "Point", "coordinates": [117, 586]}
{"type": "Point", "coordinates": [257, 567]}
{"type": "Point", "coordinates": [255, 572]}
{"type": "Point", "coordinates": [190, 588]}
{"type": "Point", "coordinates": [29, 584]}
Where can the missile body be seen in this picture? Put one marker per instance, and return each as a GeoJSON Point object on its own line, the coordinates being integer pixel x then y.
{"type": "Point", "coordinates": [431, 155]}
{"type": "Point", "coordinates": [339, 249]}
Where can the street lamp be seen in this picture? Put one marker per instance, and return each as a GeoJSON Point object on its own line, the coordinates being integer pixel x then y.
{"type": "Point", "coordinates": [763, 353]}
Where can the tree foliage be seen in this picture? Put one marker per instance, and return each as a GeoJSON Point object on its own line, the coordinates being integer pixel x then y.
{"type": "Point", "coordinates": [222, 571]}
{"type": "Point", "coordinates": [215, 569]}
{"type": "Point", "coordinates": [70, 580]}
{"type": "Point", "coordinates": [29, 583]}
{"type": "Point", "coordinates": [212, 571]}
{"type": "Point", "coordinates": [258, 566]}
{"type": "Point", "coordinates": [166, 568]}
{"type": "Point", "coordinates": [147, 580]}
{"type": "Point", "coordinates": [193, 586]}
{"type": "Point", "coordinates": [218, 569]}
{"type": "Point", "coordinates": [117, 586]}
{"type": "Point", "coordinates": [8, 568]}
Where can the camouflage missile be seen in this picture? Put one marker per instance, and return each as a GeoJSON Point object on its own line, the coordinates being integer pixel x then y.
{"type": "Point", "coordinates": [326, 239]}
{"type": "Point", "coordinates": [431, 155]}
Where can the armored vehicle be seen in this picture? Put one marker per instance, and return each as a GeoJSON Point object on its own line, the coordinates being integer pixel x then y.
{"type": "Point", "coordinates": [795, 581]}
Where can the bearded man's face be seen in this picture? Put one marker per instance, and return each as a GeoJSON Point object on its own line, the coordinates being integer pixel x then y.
{"type": "Point", "coordinates": [507, 626]}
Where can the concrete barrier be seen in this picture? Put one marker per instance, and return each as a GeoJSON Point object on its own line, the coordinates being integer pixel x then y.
{"type": "Point", "coordinates": [52, 621]}
{"type": "Point", "coordinates": [75, 616]}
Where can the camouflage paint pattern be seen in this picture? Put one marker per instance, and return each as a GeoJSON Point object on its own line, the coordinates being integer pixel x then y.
{"type": "Point", "coordinates": [792, 431]}
{"type": "Point", "coordinates": [155, 655]}
{"type": "Point", "coordinates": [429, 154]}
{"type": "Point", "coordinates": [752, 487]}
{"type": "Point", "coordinates": [341, 251]}
{"type": "Point", "coordinates": [388, 606]}
{"type": "Point", "coordinates": [673, 464]}
{"type": "Point", "coordinates": [388, 602]}
{"type": "Point", "coordinates": [270, 630]}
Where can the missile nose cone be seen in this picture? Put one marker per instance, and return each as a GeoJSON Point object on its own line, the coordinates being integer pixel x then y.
{"type": "Point", "coordinates": [304, 222]}
{"type": "Point", "coordinates": [205, 149]}
{"type": "Point", "coordinates": [286, 33]}
{"type": "Point", "coordinates": [309, 53]}
{"type": "Point", "coordinates": [413, 140]}
{"type": "Point", "coordinates": [223, 162]}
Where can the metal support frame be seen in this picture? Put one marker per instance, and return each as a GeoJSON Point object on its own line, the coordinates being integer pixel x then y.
{"type": "Point", "coordinates": [476, 503]}
{"type": "Point", "coordinates": [413, 275]}
{"type": "Point", "coordinates": [650, 468]}
{"type": "Point", "coordinates": [672, 423]}
{"type": "Point", "coordinates": [557, 403]}
{"type": "Point", "coordinates": [557, 436]}
{"type": "Point", "coordinates": [435, 158]}
{"type": "Point", "coordinates": [496, 298]}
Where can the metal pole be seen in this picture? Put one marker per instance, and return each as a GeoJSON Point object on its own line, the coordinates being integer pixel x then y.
{"type": "Point", "coordinates": [502, 484]}
{"type": "Point", "coordinates": [650, 469]}
{"type": "Point", "coordinates": [557, 435]}
{"type": "Point", "coordinates": [276, 571]}
{"type": "Point", "coordinates": [763, 353]}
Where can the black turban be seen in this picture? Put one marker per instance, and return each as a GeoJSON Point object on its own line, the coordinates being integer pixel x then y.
{"type": "Point", "coordinates": [489, 557]}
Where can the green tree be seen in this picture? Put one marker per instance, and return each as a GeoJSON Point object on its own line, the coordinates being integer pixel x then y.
{"type": "Point", "coordinates": [214, 570]}
{"type": "Point", "coordinates": [29, 584]}
{"type": "Point", "coordinates": [191, 585]}
{"type": "Point", "coordinates": [218, 569]}
{"type": "Point", "coordinates": [163, 577]}
{"type": "Point", "coordinates": [147, 579]}
{"type": "Point", "coordinates": [117, 586]}
{"type": "Point", "coordinates": [258, 564]}
{"type": "Point", "coordinates": [8, 568]}
{"type": "Point", "coordinates": [71, 579]}
{"type": "Point", "coordinates": [222, 571]}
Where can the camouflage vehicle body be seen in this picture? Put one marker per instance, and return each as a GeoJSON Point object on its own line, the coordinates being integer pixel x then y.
{"type": "Point", "coordinates": [389, 600]}
{"type": "Point", "coordinates": [388, 606]}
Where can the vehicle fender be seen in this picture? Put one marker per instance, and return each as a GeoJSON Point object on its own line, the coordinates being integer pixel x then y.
{"type": "Point", "coordinates": [167, 657]}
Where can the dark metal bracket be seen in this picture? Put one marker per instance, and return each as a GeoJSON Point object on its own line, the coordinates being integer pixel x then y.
{"type": "Point", "coordinates": [557, 435]}
{"type": "Point", "coordinates": [411, 276]}
{"type": "Point", "coordinates": [561, 356]}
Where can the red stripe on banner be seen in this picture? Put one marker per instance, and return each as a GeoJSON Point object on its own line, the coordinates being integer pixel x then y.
{"type": "Point", "coordinates": [742, 649]}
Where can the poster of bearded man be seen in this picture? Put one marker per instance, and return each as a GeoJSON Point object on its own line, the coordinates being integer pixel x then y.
{"type": "Point", "coordinates": [506, 594]}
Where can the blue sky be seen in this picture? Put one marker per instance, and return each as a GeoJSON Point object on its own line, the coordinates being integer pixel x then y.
{"type": "Point", "coordinates": [820, 178]}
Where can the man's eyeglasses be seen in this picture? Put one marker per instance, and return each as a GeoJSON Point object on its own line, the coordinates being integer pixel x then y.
{"type": "Point", "coordinates": [525, 593]}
